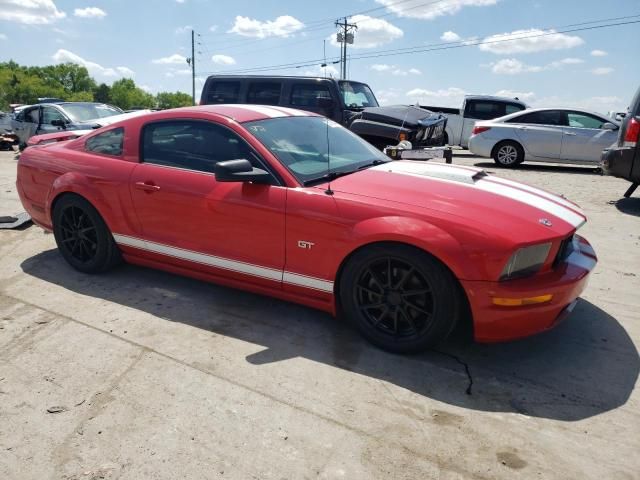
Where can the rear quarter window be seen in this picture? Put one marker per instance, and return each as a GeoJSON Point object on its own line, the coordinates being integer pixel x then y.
{"type": "Point", "coordinates": [107, 143]}
{"type": "Point", "coordinates": [223, 92]}
{"type": "Point", "coordinates": [264, 93]}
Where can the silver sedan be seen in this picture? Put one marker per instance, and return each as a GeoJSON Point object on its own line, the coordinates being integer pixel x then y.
{"type": "Point", "coordinates": [544, 135]}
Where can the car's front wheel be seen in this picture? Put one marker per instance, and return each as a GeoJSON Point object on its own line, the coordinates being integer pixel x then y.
{"type": "Point", "coordinates": [508, 154]}
{"type": "Point", "coordinates": [83, 238]}
{"type": "Point", "coordinates": [400, 298]}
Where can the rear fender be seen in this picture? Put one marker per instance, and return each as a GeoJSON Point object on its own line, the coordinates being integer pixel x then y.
{"type": "Point", "coordinates": [420, 234]}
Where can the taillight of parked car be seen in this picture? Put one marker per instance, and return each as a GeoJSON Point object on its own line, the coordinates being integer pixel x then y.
{"type": "Point", "coordinates": [478, 130]}
{"type": "Point", "coordinates": [632, 134]}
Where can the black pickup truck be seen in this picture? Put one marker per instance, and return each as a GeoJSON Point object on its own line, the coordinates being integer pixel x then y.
{"type": "Point", "coordinates": [623, 159]}
{"type": "Point", "coordinates": [352, 104]}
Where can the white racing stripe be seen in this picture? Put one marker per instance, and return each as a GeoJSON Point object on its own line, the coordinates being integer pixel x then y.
{"type": "Point", "coordinates": [292, 111]}
{"type": "Point", "coordinates": [227, 264]}
{"type": "Point", "coordinates": [269, 112]}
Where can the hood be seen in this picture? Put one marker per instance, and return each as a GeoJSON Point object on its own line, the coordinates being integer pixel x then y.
{"type": "Point", "coordinates": [104, 121]}
{"type": "Point", "coordinates": [493, 204]}
{"type": "Point", "coordinates": [397, 115]}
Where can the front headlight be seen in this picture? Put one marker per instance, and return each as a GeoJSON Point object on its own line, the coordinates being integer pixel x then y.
{"type": "Point", "coordinates": [526, 261]}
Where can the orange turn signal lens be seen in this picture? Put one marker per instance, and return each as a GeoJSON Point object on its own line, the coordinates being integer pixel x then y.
{"type": "Point", "coordinates": [520, 302]}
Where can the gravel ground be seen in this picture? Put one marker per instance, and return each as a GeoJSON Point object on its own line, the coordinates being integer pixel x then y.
{"type": "Point", "coordinates": [138, 374]}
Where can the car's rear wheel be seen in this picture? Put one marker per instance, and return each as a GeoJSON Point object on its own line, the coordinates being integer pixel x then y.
{"type": "Point", "coordinates": [82, 237]}
{"type": "Point", "coordinates": [508, 154]}
{"type": "Point", "coordinates": [400, 298]}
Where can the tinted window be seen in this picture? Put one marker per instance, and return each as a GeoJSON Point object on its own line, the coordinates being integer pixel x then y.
{"type": "Point", "coordinates": [512, 108]}
{"type": "Point", "coordinates": [32, 116]}
{"type": "Point", "coordinates": [357, 95]}
{"type": "Point", "coordinates": [484, 110]}
{"type": "Point", "coordinates": [107, 143]}
{"type": "Point", "coordinates": [549, 117]}
{"type": "Point", "coordinates": [264, 93]}
{"type": "Point", "coordinates": [582, 120]}
{"type": "Point", "coordinates": [223, 92]}
{"type": "Point", "coordinates": [50, 114]}
{"type": "Point", "coordinates": [191, 145]}
{"type": "Point", "coordinates": [81, 112]}
{"type": "Point", "coordinates": [307, 94]}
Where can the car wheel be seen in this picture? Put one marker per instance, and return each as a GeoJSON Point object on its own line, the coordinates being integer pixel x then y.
{"type": "Point", "coordinates": [82, 237]}
{"type": "Point", "coordinates": [508, 154]}
{"type": "Point", "coordinates": [400, 298]}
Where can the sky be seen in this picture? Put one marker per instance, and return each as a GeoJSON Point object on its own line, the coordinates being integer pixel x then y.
{"type": "Point", "coordinates": [506, 47]}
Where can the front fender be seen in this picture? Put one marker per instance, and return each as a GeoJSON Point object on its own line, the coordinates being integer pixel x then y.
{"type": "Point", "coordinates": [377, 129]}
{"type": "Point", "coordinates": [417, 233]}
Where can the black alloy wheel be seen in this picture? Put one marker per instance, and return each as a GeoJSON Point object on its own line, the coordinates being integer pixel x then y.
{"type": "Point", "coordinates": [400, 298]}
{"type": "Point", "coordinates": [79, 235]}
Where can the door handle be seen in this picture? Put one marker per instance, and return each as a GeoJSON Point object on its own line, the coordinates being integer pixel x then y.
{"type": "Point", "coordinates": [570, 134]}
{"type": "Point", "coordinates": [147, 186]}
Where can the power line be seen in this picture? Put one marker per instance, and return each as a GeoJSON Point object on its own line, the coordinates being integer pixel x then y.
{"type": "Point", "coordinates": [442, 46]}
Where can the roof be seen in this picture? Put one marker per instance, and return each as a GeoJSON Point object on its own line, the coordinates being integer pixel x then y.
{"type": "Point", "coordinates": [493, 97]}
{"type": "Point", "coordinates": [238, 112]}
{"type": "Point", "coordinates": [562, 109]}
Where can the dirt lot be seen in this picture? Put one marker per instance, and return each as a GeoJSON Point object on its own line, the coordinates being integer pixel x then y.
{"type": "Point", "coordinates": [163, 377]}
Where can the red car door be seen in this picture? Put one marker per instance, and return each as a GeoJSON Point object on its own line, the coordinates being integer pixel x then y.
{"type": "Point", "coordinates": [188, 219]}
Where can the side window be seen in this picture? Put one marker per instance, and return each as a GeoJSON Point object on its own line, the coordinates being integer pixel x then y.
{"type": "Point", "coordinates": [107, 143]}
{"type": "Point", "coordinates": [191, 145]}
{"type": "Point", "coordinates": [307, 94]}
{"type": "Point", "coordinates": [548, 117]}
{"type": "Point", "coordinates": [49, 114]}
{"type": "Point", "coordinates": [512, 108]}
{"type": "Point", "coordinates": [582, 120]}
{"type": "Point", "coordinates": [264, 93]}
{"type": "Point", "coordinates": [484, 109]}
{"type": "Point", "coordinates": [32, 116]}
{"type": "Point", "coordinates": [223, 92]}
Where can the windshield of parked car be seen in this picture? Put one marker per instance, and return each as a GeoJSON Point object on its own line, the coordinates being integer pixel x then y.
{"type": "Point", "coordinates": [315, 148]}
{"type": "Point", "coordinates": [81, 112]}
{"type": "Point", "coordinates": [357, 95]}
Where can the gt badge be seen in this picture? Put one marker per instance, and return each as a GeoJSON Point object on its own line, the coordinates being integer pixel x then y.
{"type": "Point", "coordinates": [546, 222]}
{"type": "Point", "coordinates": [305, 245]}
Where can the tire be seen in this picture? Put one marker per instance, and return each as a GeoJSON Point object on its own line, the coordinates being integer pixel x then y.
{"type": "Point", "coordinates": [83, 239]}
{"type": "Point", "coordinates": [508, 154]}
{"type": "Point", "coordinates": [414, 311]}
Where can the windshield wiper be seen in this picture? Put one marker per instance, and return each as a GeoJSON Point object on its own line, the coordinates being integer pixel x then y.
{"type": "Point", "coordinates": [327, 177]}
{"type": "Point", "coordinates": [373, 164]}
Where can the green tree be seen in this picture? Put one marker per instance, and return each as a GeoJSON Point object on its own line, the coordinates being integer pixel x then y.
{"type": "Point", "coordinates": [102, 93]}
{"type": "Point", "coordinates": [173, 100]}
{"type": "Point", "coordinates": [126, 95]}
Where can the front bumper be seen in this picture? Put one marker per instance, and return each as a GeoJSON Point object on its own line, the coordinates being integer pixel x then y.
{"type": "Point", "coordinates": [494, 323]}
{"type": "Point", "coordinates": [618, 162]}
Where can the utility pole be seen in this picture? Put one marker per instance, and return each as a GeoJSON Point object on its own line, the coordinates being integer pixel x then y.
{"type": "Point", "coordinates": [192, 61]}
{"type": "Point", "coordinates": [345, 37]}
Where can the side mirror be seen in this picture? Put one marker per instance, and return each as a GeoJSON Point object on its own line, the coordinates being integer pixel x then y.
{"type": "Point", "coordinates": [240, 171]}
{"type": "Point", "coordinates": [609, 126]}
{"type": "Point", "coordinates": [326, 103]}
{"type": "Point", "coordinates": [58, 123]}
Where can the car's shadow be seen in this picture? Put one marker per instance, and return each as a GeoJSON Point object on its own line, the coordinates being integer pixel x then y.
{"type": "Point", "coordinates": [630, 206]}
{"type": "Point", "coordinates": [586, 366]}
{"type": "Point", "coordinates": [538, 167]}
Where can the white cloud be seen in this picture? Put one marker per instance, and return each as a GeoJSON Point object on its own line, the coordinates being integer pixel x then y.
{"type": "Point", "coordinates": [283, 26]}
{"type": "Point", "coordinates": [184, 29]}
{"type": "Point", "coordinates": [524, 96]}
{"type": "Point", "coordinates": [430, 10]}
{"type": "Point", "coordinates": [450, 97]}
{"type": "Point", "coordinates": [393, 70]}
{"type": "Point", "coordinates": [598, 53]}
{"type": "Point", "coordinates": [213, 28]}
{"type": "Point", "coordinates": [175, 59]}
{"type": "Point", "coordinates": [180, 1]}
{"type": "Point", "coordinates": [388, 96]}
{"type": "Point", "coordinates": [90, 12]}
{"type": "Point", "coordinates": [3, 36]}
{"type": "Point", "coordinates": [146, 88]}
{"type": "Point", "coordinates": [329, 71]}
{"type": "Point", "coordinates": [528, 41]}
{"type": "Point", "coordinates": [558, 64]}
{"type": "Point", "coordinates": [223, 59]}
{"type": "Point", "coordinates": [31, 12]}
{"type": "Point", "coordinates": [372, 32]}
{"type": "Point", "coordinates": [450, 36]}
{"type": "Point", "coordinates": [597, 103]}
{"type": "Point", "coordinates": [65, 56]}
{"type": "Point", "coordinates": [177, 72]}
{"type": "Point", "coordinates": [602, 71]}
{"type": "Point", "coordinates": [511, 66]}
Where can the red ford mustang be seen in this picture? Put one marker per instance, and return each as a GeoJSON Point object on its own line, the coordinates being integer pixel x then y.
{"type": "Point", "coordinates": [285, 203]}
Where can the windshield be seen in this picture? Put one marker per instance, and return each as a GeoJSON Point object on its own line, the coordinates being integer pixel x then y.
{"type": "Point", "coordinates": [357, 95]}
{"type": "Point", "coordinates": [81, 112]}
{"type": "Point", "coordinates": [308, 145]}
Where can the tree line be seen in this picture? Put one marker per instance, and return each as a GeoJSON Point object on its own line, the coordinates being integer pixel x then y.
{"type": "Point", "coordinates": [72, 82]}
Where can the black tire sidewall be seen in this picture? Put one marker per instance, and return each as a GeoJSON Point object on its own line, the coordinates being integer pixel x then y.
{"type": "Point", "coordinates": [104, 237]}
{"type": "Point", "coordinates": [443, 285]}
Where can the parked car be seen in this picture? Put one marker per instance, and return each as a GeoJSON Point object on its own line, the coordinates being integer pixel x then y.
{"type": "Point", "coordinates": [544, 135]}
{"type": "Point", "coordinates": [53, 117]}
{"type": "Point", "coordinates": [351, 104]}
{"type": "Point", "coordinates": [460, 122]}
{"type": "Point", "coordinates": [617, 116]}
{"type": "Point", "coordinates": [623, 159]}
{"type": "Point", "coordinates": [286, 203]}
